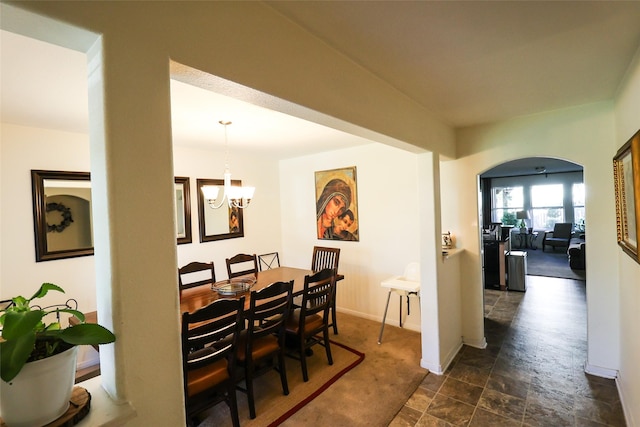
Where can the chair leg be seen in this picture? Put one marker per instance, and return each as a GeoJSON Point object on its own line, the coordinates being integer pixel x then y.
{"type": "Point", "coordinates": [248, 378]}
{"type": "Point", "coordinates": [333, 317]}
{"type": "Point", "coordinates": [303, 360]}
{"type": "Point", "coordinates": [327, 346]}
{"type": "Point", "coordinates": [283, 373]}
{"type": "Point", "coordinates": [233, 405]}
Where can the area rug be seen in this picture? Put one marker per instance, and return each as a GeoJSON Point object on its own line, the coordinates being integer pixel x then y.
{"type": "Point", "coordinates": [551, 264]}
{"type": "Point", "coordinates": [272, 407]}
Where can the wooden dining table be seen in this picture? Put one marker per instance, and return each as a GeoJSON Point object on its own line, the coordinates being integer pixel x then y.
{"type": "Point", "coordinates": [195, 298]}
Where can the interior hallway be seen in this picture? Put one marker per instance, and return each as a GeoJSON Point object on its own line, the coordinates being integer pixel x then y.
{"type": "Point", "coordinates": [531, 373]}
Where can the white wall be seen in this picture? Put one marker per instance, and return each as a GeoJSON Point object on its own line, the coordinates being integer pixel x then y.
{"type": "Point", "coordinates": [584, 135]}
{"type": "Point", "coordinates": [261, 218]}
{"type": "Point", "coordinates": [23, 148]}
{"type": "Point", "coordinates": [627, 113]}
{"type": "Point", "coordinates": [388, 217]}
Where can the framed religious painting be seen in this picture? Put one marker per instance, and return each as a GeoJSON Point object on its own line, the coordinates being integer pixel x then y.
{"type": "Point", "coordinates": [337, 204]}
{"type": "Point", "coordinates": [626, 175]}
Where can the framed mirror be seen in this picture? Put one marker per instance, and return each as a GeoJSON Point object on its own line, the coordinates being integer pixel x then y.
{"type": "Point", "coordinates": [222, 223]}
{"type": "Point", "coordinates": [183, 209]}
{"type": "Point", "coordinates": [61, 214]}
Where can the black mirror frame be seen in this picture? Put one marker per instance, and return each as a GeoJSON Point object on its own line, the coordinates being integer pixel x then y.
{"type": "Point", "coordinates": [39, 214]}
{"type": "Point", "coordinates": [186, 185]}
{"type": "Point", "coordinates": [202, 205]}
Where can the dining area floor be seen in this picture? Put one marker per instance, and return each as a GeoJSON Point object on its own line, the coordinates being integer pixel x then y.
{"type": "Point", "coordinates": [530, 374]}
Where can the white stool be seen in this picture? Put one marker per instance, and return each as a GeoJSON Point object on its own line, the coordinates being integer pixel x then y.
{"type": "Point", "coordinates": [405, 286]}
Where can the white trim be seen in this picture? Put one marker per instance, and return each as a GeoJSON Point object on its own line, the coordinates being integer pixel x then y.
{"type": "Point", "coordinates": [481, 344]}
{"type": "Point", "coordinates": [628, 416]}
{"type": "Point", "coordinates": [599, 371]}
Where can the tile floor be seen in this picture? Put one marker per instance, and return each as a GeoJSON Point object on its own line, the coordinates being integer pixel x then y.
{"type": "Point", "coordinates": [530, 374]}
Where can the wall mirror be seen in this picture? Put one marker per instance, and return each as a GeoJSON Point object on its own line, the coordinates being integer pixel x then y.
{"type": "Point", "coordinates": [222, 223]}
{"type": "Point", "coordinates": [61, 214]}
{"type": "Point", "coordinates": [183, 209]}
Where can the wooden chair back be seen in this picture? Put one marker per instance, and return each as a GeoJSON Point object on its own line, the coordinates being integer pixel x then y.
{"type": "Point", "coordinates": [318, 294]}
{"type": "Point", "coordinates": [196, 274]}
{"type": "Point", "coordinates": [209, 370]}
{"type": "Point", "coordinates": [324, 257]}
{"type": "Point", "coordinates": [265, 336]}
{"type": "Point", "coordinates": [268, 261]}
{"type": "Point", "coordinates": [242, 265]}
{"type": "Point", "coordinates": [310, 323]}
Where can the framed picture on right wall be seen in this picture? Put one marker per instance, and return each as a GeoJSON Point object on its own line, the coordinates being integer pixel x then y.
{"type": "Point", "coordinates": [626, 176]}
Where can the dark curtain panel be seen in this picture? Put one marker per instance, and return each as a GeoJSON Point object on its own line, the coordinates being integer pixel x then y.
{"type": "Point", "coordinates": [485, 188]}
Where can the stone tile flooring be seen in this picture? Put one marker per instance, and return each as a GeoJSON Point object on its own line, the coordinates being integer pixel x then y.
{"type": "Point", "coordinates": [530, 374]}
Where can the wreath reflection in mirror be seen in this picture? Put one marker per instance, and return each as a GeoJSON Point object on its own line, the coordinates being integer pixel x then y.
{"type": "Point", "coordinates": [66, 217]}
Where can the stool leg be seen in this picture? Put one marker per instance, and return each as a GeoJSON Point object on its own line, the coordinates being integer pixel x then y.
{"type": "Point", "coordinates": [400, 310]}
{"type": "Point", "coordinates": [384, 317]}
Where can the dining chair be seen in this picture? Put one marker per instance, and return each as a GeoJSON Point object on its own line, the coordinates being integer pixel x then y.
{"type": "Point", "coordinates": [209, 370]}
{"type": "Point", "coordinates": [196, 274]}
{"type": "Point", "coordinates": [268, 261]}
{"type": "Point", "coordinates": [241, 265]}
{"type": "Point", "coordinates": [262, 342]}
{"type": "Point", "coordinates": [324, 257]}
{"type": "Point", "coordinates": [309, 324]}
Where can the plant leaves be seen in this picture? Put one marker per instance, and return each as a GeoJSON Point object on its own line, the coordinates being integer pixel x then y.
{"type": "Point", "coordinates": [14, 355]}
{"type": "Point", "coordinates": [20, 323]}
{"type": "Point", "coordinates": [46, 287]}
{"type": "Point", "coordinates": [87, 333]}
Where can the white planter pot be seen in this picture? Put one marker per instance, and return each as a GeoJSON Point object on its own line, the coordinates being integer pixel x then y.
{"type": "Point", "coordinates": [40, 393]}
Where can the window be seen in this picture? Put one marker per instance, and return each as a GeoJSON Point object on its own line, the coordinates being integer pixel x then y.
{"type": "Point", "coordinates": [547, 205]}
{"type": "Point", "coordinates": [506, 202]}
{"type": "Point", "coordinates": [578, 205]}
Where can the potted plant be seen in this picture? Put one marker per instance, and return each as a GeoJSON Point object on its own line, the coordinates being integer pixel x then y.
{"type": "Point", "coordinates": [35, 355]}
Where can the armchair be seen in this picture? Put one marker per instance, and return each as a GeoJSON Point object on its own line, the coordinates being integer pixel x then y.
{"type": "Point", "coordinates": [559, 237]}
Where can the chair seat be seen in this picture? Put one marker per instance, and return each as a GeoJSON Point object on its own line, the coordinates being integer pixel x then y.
{"type": "Point", "coordinates": [200, 380]}
{"type": "Point", "coordinates": [262, 346]}
{"type": "Point", "coordinates": [312, 323]}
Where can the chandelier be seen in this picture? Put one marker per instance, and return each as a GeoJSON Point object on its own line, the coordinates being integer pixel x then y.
{"type": "Point", "coordinates": [237, 197]}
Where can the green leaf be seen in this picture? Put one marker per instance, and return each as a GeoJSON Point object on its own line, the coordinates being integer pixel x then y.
{"type": "Point", "coordinates": [14, 355]}
{"type": "Point", "coordinates": [87, 333]}
{"type": "Point", "coordinates": [72, 312]}
{"type": "Point", "coordinates": [17, 324]}
{"type": "Point", "coordinates": [46, 287]}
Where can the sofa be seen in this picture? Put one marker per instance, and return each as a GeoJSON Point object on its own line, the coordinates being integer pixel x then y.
{"type": "Point", "coordinates": [576, 252]}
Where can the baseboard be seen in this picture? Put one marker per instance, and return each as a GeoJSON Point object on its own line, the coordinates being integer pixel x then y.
{"type": "Point", "coordinates": [378, 319]}
{"type": "Point", "coordinates": [432, 367]}
{"type": "Point", "coordinates": [599, 371]}
{"type": "Point", "coordinates": [481, 343]}
{"type": "Point", "coordinates": [628, 416]}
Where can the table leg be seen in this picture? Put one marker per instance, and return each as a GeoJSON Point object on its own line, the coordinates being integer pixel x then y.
{"type": "Point", "coordinates": [384, 317]}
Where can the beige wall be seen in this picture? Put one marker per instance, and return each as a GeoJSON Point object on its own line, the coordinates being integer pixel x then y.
{"type": "Point", "coordinates": [130, 115]}
{"type": "Point", "coordinates": [627, 113]}
{"type": "Point", "coordinates": [130, 122]}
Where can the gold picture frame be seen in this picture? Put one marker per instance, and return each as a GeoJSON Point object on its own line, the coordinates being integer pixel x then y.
{"type": "Point", "coordinates": [626, 176]}
{"type": "Point", "coordinates": [337, 205]}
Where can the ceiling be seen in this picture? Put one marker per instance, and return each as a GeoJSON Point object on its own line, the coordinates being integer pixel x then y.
{"type": "Point", "coordinates": [469, 62]}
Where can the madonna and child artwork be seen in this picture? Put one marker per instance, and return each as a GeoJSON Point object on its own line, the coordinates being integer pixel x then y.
{"type": "Point", "coordinates": [337, 205]}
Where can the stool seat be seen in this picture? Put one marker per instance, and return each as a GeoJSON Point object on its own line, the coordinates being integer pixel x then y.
{"type": "Point", "coordinates": [405, 286]}
{"type": "Point", "coordinates": [401, 283]}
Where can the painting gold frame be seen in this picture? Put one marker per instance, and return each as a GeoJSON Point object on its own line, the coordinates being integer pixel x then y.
{"type": "Point", "coordinates": [337, 216]}
{"type": "Point", "coordinates": [626, 175]}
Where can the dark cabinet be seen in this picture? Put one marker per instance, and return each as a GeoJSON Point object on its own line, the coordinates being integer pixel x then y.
{"type": "Point", "coordinates": [494, 264]}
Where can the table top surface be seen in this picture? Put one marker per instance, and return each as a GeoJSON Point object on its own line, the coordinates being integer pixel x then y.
{"type": "Point", "coordinates": [200, 296]}
{"type": "Point", "coordinates": [194, 298]}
